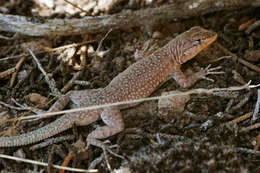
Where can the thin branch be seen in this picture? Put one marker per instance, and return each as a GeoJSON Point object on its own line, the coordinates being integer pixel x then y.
{"type": "Point", "coordinates": [193, 91]}
{"type": "Point", "coordinates": [251, 127]}
{"type": "Point", "coordinates": [125, 20]}
{"type": "Point", "coordinates": [74, 5]}
{"type": "Point", "coordinates": [257, 105]}
{"type": "Point", "coordinates": [18, 66]}
{"type": "Point", "coordinates": [7, 72]}
{"type": "Point", "coordinates": [253, 27]}
{"type": "Point", "coordinates": [56, 50]}
{"type": "Point", "coordinates": [239, 119]}
{"type": "Point", "coordinates": [235, 58]}
{"type": "Point", "coordinates": [45, 164]}
{"type": "Point", "coordinates": [49, 80]}
{"type": "Point", "coordinates": [14, 107]}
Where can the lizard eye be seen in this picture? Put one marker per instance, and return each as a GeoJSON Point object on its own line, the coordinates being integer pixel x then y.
{"type": "Point", "coordinates": [197, 42]}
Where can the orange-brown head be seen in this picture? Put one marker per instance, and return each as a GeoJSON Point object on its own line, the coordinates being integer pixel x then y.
{"type": "Point", "coordinates": [188, 44]}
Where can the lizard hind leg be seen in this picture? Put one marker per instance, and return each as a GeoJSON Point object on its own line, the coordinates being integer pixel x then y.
{"type": "Point", "coordinates": [112, 118]}
{"type": "Point", "coordinates": [114, 124]}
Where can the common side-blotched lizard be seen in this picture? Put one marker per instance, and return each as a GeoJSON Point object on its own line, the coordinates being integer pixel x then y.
{"type": "Point", "coordinates": [137, 81]}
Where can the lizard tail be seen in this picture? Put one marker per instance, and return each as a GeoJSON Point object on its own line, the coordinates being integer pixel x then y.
{"type": "Point", "coordinates": [61, 124]}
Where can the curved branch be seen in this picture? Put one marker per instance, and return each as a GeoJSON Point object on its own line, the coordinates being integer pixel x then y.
{"type": "Point", "coordinates": [143, 17]}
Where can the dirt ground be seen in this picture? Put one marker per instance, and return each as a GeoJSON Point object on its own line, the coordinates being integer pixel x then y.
{"type": "Point", "coordinates": [201, 138]}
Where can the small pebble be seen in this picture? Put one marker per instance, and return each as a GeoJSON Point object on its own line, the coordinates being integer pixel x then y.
{"type": "Point", "coordinates": [37, 99]}
{"type": "Point", "coordinates": [253, 55]}
{"type": "Point", "coordinates": [172, 105]}
{"type": "Point", "coordinates": [157, 35]}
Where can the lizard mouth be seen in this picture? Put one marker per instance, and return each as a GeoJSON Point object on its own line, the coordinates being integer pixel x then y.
{"type": "Point", "coordinates": [212, 39]}
{"type": "Point", "coordinates": [195, 40]}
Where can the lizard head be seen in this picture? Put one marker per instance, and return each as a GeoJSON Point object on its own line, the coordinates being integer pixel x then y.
{"type": "Point", "coordinates": [191, 42]}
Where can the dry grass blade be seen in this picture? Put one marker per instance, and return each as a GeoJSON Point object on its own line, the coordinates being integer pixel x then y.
{"type": "Point", "coordinates": [194, 91]}
{"type": "Point", "coordinates": [45, 164]}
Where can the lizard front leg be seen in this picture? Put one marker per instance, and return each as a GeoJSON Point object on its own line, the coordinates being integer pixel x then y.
{"type": "Point", "coordinates": [187, 81]}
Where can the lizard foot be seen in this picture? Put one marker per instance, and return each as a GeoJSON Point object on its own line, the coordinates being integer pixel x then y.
{"type": "Point", "coordinates": [104, 147]}
{"type": "Point", "coordinates": [206, 71]}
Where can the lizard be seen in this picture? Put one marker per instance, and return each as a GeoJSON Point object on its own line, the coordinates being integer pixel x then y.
{"type": "Point", "coordinates": [139, 80]}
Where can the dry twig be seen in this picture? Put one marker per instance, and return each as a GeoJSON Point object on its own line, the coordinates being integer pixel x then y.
{"type": "Point", "coordinates": [239, 119]}
{"type": "Point", "coordinates": [193, 91]}
{"type": "Point", "coordinates": [76, 6]}
{"type": "Point", "coordinates": [18, 66]}
{"type": "Point", "coordinates": [252, 127]}
{"type": "Point", "coordinates": [71, 82]}
{"type": "Point", "coordinates": [50, 159]}
{"type": "Point", "coordinates": [257, 105]}
{"type": "Point", "coordinates": [51, 82]}
{"type": "Point", "coordinates": [45, 164]}
{"type": "Point", "coordinates": [67, 160]}
{"type": "Point", "coordinates": [245, 25]}
{"type": "Point", "coordinates": [7, 72]}
{"type": "Point", "coordinates": [253, 27]}
{"type": "Point", "coordinates": [242, 61]}
{"type": "Point", "coordinates": [125, 20]}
